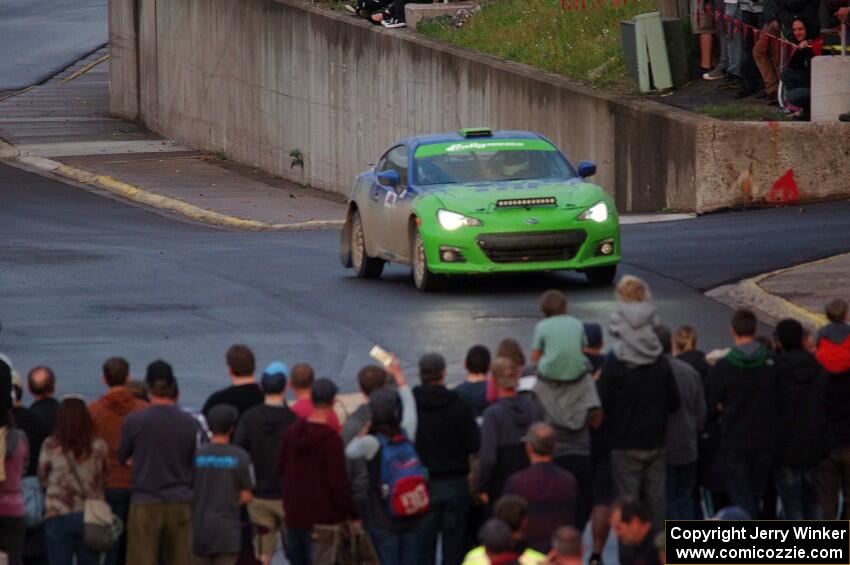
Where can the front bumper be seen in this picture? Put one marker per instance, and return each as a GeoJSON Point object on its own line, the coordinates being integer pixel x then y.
{"type": "Point", "coordinates": [483, 250]}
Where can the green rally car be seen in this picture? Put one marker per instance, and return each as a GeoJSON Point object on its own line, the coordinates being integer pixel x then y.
{"type": "Point", "coordinates": [479, 201]}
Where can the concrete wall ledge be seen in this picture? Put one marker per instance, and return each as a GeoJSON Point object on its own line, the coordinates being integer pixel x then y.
{"type": "Point", "coordinates": [259, 78]}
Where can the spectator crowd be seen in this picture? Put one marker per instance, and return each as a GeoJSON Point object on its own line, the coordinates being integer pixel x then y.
{"type": "Point", "coordinates": [764, 48]}
{"type": "Point", "coordinates": [510, 466]}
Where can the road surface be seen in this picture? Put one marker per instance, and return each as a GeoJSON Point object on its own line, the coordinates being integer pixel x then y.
{"type": "Point", "coordinates": [84, 276]}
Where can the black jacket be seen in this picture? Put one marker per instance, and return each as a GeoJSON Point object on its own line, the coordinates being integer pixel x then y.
{"type": "Point", "coordinates": [803, 424]}
{"type": "Point", "coordinates": [259, 432]}
{"type": "Point", "coordinates": [637, 402]}
{"type": "Point", "coordinates": [5, 391]}
{"type": "Point", "coordinates": [36, 432]}
{"type": "Point", "coordinates": [503, 430]}
{"type": "Point", "coordinates": [446, 432]}
{"type": "Point", "coordinates": [696, 359]}
{"type": "Point", "coordinates": [838, 408]}
{"type": "Point", "coordinates": [242, 397]}
{"type": "Point", "coordinates": [742, 390]}
{"type": "Point", "coordinates": [801, 61]}
{"type": "Point", "coordinates": [46, 409]}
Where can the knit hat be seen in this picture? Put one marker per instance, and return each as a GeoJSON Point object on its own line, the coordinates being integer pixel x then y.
{"type": "Point", "coordinates": [274, 378]}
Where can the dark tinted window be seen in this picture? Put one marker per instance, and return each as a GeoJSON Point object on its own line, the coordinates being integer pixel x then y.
{"type": "Point", "coordinates": [395, 160]}
{"type": "Point", "coordinates": [491, 165]}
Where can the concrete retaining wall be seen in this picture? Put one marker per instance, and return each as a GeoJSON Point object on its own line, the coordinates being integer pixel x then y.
{"type": "Point", "coordinates": [776, 162]}
{"type": "Point", "coordinates": [257, 79]}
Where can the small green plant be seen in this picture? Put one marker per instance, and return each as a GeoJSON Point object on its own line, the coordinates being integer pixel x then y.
{"type": "Point", "coordinates": [220, 155]}
{"type": "Point", "coordinates": [297, 159]}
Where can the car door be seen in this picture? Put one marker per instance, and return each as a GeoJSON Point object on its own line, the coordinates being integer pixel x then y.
{"type": "Point", "coordinates": [373, 209]}
{"type": "Point", "coordinates": [393, 201]}
{"type": "Point", "coordinates": [405, 195]}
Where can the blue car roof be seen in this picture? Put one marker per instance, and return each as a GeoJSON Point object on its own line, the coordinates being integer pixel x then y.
{"type": "Point", "coordinates": [455, 136]}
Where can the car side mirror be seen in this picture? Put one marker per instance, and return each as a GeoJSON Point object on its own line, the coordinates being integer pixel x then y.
{"type": "Point", "coordinates": [389, 178]}
{"type": "Point", "coordinates": [586, 169]}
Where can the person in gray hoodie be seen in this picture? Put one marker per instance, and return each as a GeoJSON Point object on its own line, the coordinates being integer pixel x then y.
{"type": "Point", "coordinates": [633, 323]}
{"type": "Point", "coordinates": [503, 430]}
{"type": "Point", "coordinates": [370, 378]}
{"type": "Point", "coordinates": [683, 430]}
{"type": "Point", "coordinates": [742, 389]}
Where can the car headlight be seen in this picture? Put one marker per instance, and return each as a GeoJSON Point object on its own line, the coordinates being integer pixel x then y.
{"type": "Point", "coordinates": [598, 213]}
{"type": "Point", "coordinates": [452, 220]}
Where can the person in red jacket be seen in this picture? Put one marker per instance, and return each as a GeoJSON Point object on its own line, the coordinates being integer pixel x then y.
{"type": "Point", "coordinates": [108, 413]}
{"type": "Point", "coordinates": [833, 341]}
{"type": "Point", "coordinates": [316, 490]}
{"type": "Point", "coordinates": [833, 353]}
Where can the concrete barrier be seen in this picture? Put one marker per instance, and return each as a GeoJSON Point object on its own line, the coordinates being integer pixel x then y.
{"type": "Point", "coordinates": [830, 88]}
{"type": "Point", "coordinates": [258, 79]}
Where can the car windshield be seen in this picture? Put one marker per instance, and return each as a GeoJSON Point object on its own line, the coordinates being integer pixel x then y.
{"type": "Point", "coordinates": [489, 160]}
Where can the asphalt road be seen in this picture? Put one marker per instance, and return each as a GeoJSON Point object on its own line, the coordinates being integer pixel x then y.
{"type": "Point", "coordinates": [84, 277]}
{"type": "Point", "coordinates": [39, 38]}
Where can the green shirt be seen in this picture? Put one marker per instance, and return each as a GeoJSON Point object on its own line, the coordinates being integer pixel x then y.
{"type": "Point", "coordinates": [560, 338]}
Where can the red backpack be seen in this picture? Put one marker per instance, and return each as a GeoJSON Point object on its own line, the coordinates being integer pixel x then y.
{"type": "Point", "coordinates": [404, 479]}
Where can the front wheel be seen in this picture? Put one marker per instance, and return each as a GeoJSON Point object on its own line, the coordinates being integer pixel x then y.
{"type": "Point", "coordinates": [601, 275]}
{"type": "Point", "coordinates": [364, 266]}
{"type": "Point", "coordinates": [424, 279]}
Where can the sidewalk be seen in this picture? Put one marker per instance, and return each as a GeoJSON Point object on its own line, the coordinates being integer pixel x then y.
{"type": "Point", "coordinates": [799, 292]}
{"type": "Point", "coordinates": [812, 285]}
{"type": "Point", "coordinates": [63, 127]}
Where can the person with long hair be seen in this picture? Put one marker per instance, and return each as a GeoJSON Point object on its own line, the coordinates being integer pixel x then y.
{"type": "Point", "coordinates": [797, 76]}
{"type": "Point", "coordinates": [508, 348]}
{"type": "Point", "coordinates": [685, 349]}
{"type": "Point", "coordinates": [72, 468]}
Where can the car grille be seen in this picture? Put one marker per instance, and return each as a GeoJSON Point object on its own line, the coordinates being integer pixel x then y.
{"type": "Point", "coordinates": [531, 247]}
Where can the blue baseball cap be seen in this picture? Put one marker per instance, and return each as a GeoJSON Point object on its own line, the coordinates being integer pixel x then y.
{"type": "Point", "coordinates": [274, 377]}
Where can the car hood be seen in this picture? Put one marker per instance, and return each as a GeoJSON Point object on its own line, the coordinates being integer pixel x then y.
{"type": "Point", "coordinates": [481, 198]}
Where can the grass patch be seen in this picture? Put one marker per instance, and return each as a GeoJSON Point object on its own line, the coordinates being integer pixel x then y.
{"type": "Point", "coordinates": [581, 44]}
{"type": "Point", "coordinates": [743, 112]}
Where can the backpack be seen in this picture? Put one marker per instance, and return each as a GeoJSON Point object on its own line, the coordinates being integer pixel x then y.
{"type": "Point", "coordinates": [404, 480]}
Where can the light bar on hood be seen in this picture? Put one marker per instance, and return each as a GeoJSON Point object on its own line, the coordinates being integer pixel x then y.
{"type": "Point", "coordinates": [527, 202]}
